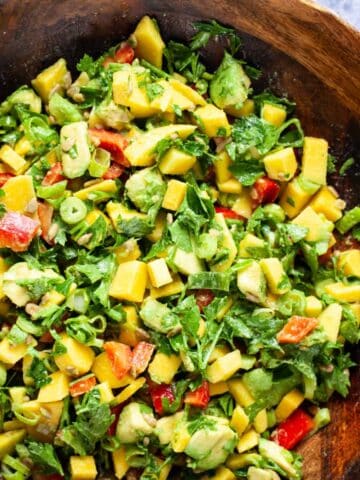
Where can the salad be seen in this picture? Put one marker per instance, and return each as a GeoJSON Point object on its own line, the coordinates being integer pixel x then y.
{"type": "Point", "coordinates": [178, 281]}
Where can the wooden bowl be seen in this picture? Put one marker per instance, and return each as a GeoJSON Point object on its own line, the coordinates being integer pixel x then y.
{"type": "Point", "coordinates": [302, 49]}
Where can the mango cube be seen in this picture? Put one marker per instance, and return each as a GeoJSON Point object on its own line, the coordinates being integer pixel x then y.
{"type": "Point", "coordinates": [243, 204]}
{"type": "Point", "coordinates": [128, 251]}
{"type": "Point", "coordinates": [213, 121]}
{"type": "Point", "coordinates": [295, 197]}
{"type": "Point", "coordinates": [248, 243]}
{"type": "Point", "coordinates": [349, 262]}
{"type": "Point", "coordinates": [223, 473]}
{"type": "Point", "coordinates": [56, 390]}
{"type": "Point", "coordinates": [275, 275]}
{"type": "Point", "coordinates": [226, 242]}
{"type": "Point", "coordinates": [173, 288]}
{"type": "Point", "coordinates": [160, 223]}
{"type": "Point", "coordinates": [230, 186]}
{"type": "Point", "coordinates": [246, 109]}
{"type": "Point", "coordinates": [344, 293]}
{"type": "Point", "coordinates": [240, 392]}
{"type": "Point", "coordinates": [129, 282]}
{"type": "Point", "coordinates": [23, 147]}
{"type": "Point", "coordinates": [313, 306]}
{"type": "Point", "coordinates": [49, 418]}
{"type": "Point", "coordinates": [83, 468]}
{"type": "Point", "coordinates": [314, 159]}
{"type": "Point", "coordinates": [281, 165]}
{"type": "Point", "coordinates": [120, 464]}
{"type": "Point", "coordinates": [164, 367]}
{"type": "Point", "coordinates": [188, 92]}
{"type": "Point", "coordinates": [12, 159]}
{"type": "Point", "coordinates": [355, 307]}
{"type": "Point", "coordinates": [122, 85]}
{"type": "Point", "coordinates": [12, 353]}
{"type": "Point", "coordinates": [149, 44]}
{"type": "Point", "coordinates": [261, 421]}
{"type": "Point", "coordinates": [274, 114]}
{"type": "Point", "coordinates": [139, 104]}
{"type": "Point", "coordinates": [224, 368]}
{"type": "Point", "coordinates": [117, 211]}
{"type": "Point", "coordinates": [159, 273]}
{"type": "Point", "coordinates": [221, 165]}
{"type": "Point", "coordinates": [78, 358]}
{"type": "Point", "coordinates": [328, 203]}
{"type": "Point", "coordinates": [176, 162]}
{"type": "Point", "coordinates": [53, 77]}
{"type": "Point", "coordinates": [104, 373]}
{"type": "Point", "coordinates": [288, 404]}
{"type": "Point", "coordinates": [318, 227]}
{"type": "Point", "coordinates": [330, 319]}
{"type": "Point", "coordinates": [218, 352]}
{"type": "Point", "coordinates": [239, 420]}
{"type": "Point", "coordinates": [248, 441]}
{"type": "Point", "coordinates": [25, 203]}
{"type": "Point", "coordinates": [129, 391]}
{"type": "Point", "coordinates": [218, 388]}
{"type": "Point", "coordinates": [106, 186]}
{"type": "Point", "coordinates": [129, 330]}
{"type": "Point", "coordinates": [9, 440]}
{"type": "Point", "coordinates": [106, 394]}
{"type": "Point", "coordinates": [174, 195]}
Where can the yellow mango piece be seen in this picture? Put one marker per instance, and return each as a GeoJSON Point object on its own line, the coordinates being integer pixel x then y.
{"type": "Point", "coordinates": [52, 298]}
{"type": "Point", "coordinates": [173, 288]}
{"type": "Point", "coordinates": [92, 216]}
{"type": "Point", "coordinates": [314, 159]}
{"type": "Point", "coordinates": [330, 319]}
{"type": "Point", "coordinates": [247, 108]}
{"type": "Point", "coordinates": [244, 204]}
{"type": "Point", "coordinates": [174, 195]}
{"type": "Point", "coordinates": [328, 203]}
{"type": "Point", "coordinates": [274, 114]}
{"type": "Point", "coordinates": [118, 210]}
{"type": "Point", "coordinates": [240, 392]}
{"type": "Point", "coordinates": [141, 152]}
{"type": "Point", "coordinates": [3, 268]}
{"type": "Point", "coordinates": [281, 165]}
{"type": "Point", "coordinates": [159, 273]}
{"type": "Point", "coordinates": [213, 121]}
{"type": "Point", "coordinates": [129, 282]}
{"type": "Point", "coordinates": [107, 186]}
{"type": "Point", "coordinates": [128, 251]}
{"type": "Point", "coordinates": [248, 441]}
{"type": "Point", "coordinates": [180, 438]}
{"type": "Point", "coordinates": [129, 330]}
{"type": "Point", "coordinates": [122, 85]}
{"type": "Point", "coordinates": [77, 360]}
{"type": "Point", "coordinates": [165, 470]}
{"type": "Point", "coordinates": [230, 186]}
{"type": "Point", "coordinates": [224, 309]}
{"type": "Point", "coordinates": [179, 100]}
{"type": "Point", "coordinates": [227, 241]}
{"type": "Point", "coordinates": [23, 147]}
{"type": "Point", "coordinates": [12, 159]}
{"type": "Point", "coordinates": [160, 223]}
{"type": "Point", "coordinates": [103, 372]}
{"type": "Point", "coordinates": [187, 92]}
{"type": "Point", "coordinates": [294, 198]}
{"type": "Point", "coordinates": [139, 104]}
{"type": "Point", "coordinates": [49, 418]}
{"type": "Point", "coordinates": [11, 353]}
{"type": "Point", "coordinates": [288, 404]}
{"type": "Point", "coordinates": [275, 275]}
{"type": "Point", "coordinates": [176, 162]}
{"type": "Point", "coordinates": [248, 243]}
{"type": "Point", "coordinates": [53, 77]}
{"type": "Point", "coordinates": [344, 293]}
{"type": "Point", "coordinates": [221, 165]}
{"type": "Point", "coordinates": [26, 364]}
{"type": "Point", "coordinates": [24, 203]}
{"type": "Point", "coordinates": [56, 390]}
{"type": "Point", "coordinates": [224, 368]}
{"type": "Point", "coordinates": [161, 102]}
{"type": "Point", "coordinates": [149, 44]}
{"type": "Point", "coordinates": [83, 468]}
{"type": "Point", "coordinates": [106, 394]}
{"type": "Point", "coordinates": [242, 460]}
{"type": "Point", "coordinates": [316, 224]}
{"type": "Point", "coordinates": [218, 388]}
{"type": "Point", "coordinates": [9, 440]}
{"type": "Point", "coordinates": [163, 367]}
{"type": "Point", "coordinates": [129, 391]}
{"type": "Point", "coordinates": [12, 425]}
{"type": "Point", "coordinates": [119, 461]}
{"type": "Point", "coordinates": [313, 306]}
{"type": "Point", "coordinates": [261, 421]}
{"type": "Point", "coordinates": [239, 420]}
{"type": "Point", "coordinates": [355, 307]}
{"type": "Point", "coordinates": [218, 352]}
{"type": "Point", "coordinates": [349, 262]}
{"type": "Point", "coordinates": [223, 473]}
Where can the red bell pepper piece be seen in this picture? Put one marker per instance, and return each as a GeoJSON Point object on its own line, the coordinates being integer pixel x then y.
{"type": "Point", "coordinates": [265, 190]}
{"type": "Point", "coordinates": [124, 54]}
{"type": "Point", "coordinates": [116, 410]}
{"type": "Point", "coordinates": [113, 142]}
{"type": "Point", "coordinates": [200, 396]}
{"type": "Point", "coordinates": [120, 356]}
{"type": "Point", "coordinates": [203, 298]}
{"type": "Point", "coordinates": [45, 213]}
{"type": "Point", "coordinates": [114, 171]}
{"type": "Point", "coordinates": [228, 213]}
{"type": "Point", "coordinates": [82, 386]}
{"type": "Point", "coordinates": [4, 177]}
{"type": "Point", "coordinates": [54, 175]}
{"type": "Point", "coordinates": [292, 430]}
{"type": "Point", "coordinates": [159, 393]}
{"type": "Point", "coordinates": [17, 231]}
{"type": "Point", "coordinates": [296, 329]}
{"type": "Point", "coordinates": [141, 357]}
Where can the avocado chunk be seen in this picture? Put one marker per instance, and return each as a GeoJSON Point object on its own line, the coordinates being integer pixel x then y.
{"type": "Point", "coordinates": [211, 443]}
{"type": "Point", "coordinates": [23, 95]}
{"type": "Point", "coordinates": [135, 422]}
{"type": "Point", "coordinates": [255, 473]}
{"type": "Point", "coordinates": [62, 110]}
{"type": "Point", "coordinates": [187, 262]}
{"type": "Point", "coordinates": [109, 115]}
{"type": "Point", "coordinates": [251, 282]}
{"type": "Point", "coordinates": [146, 189]}
{"type": "Point", "coordinates": [229, 86]}
{"type": "Point", "coordinates": [75, 149]}
{"type": "Point", "coordinates": [279, 455]}
{"type": "Point", "coordinates": [157, 316]}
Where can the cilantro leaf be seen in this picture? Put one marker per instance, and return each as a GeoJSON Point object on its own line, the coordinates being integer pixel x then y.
{"type": "Point", "coordinates": [38, 372]}
{"type": "Point", "coordinates": [207, 30]}
{"type": "Point", "coordinates": [44, 455]}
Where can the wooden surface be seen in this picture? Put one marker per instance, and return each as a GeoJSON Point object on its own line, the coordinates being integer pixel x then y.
{"type": "Point", "coordinates": [303, 51]}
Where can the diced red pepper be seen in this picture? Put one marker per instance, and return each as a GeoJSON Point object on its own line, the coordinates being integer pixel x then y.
{"type": "Point", "coordinates": [326, 257]}
{"type": "Point", "coordinates": [17, 231]}
{"type": "Point", "coordinates": [124, 54]}
{"type": "Point", "coordinates": [116, 410]}
{"type": "Point", "coordinates": [141, 357]}
{"type": "Point", "coordinates": [114, 171]}
{"type": "Point", "coordinates": [159, 393]}
{"type": "Point", "coordinates": [199, 397]}
{"type": "Point", "coordinates": [228, 213]}
{"type": "Point", "coordinates": [113, 142]}
{"type": "Point", "coordinates": [296, 329]}
{"type": "Point", "coordinates": [45, 213]}
{"type": "Point", "coordinates": [82, 386]}
{"type": "Point", "coordinates": [54, 175]}
{"type": "Point", "coordinates": [292, 430]}
{"type": "Point", "coordinates": [203, 298]}
{"type": "Point", "coordinates": [46, 338]}
{"type": "Point", "coordinates": [265, 190]}
{"type": "Point", "coordinates": [120, 357]}
{"type": "Point", "coordinates": [4, 177]}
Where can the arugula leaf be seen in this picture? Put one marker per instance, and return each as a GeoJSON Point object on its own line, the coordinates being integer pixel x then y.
{"type": "Point", "coordinates": [182, 59]}
{"type": "Point", "coordinates": [38, 372]}
{"type": "Point", "coordinates": [247, 171]}
{"type": "Point", "coordinates": [135, 227]}
{"type": "Point", "coordinates": [210, 280]}
{"type": "Point", "coordinates": [268, 97]}
{"type": "Point", "coordinates": [44, 455]}
{"type": "Point", "coordinates": [207, 30]}
{"type": "Point", "coordinates": [88, 65]}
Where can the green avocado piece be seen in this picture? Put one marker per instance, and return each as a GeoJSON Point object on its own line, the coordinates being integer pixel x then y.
{"type": "Point", "coordinates": [62, 110]}
{"type": "Point", "coordinates": [251, 282]}
{"type": "Point", "coordinates": [23, 95]}
{"type": "Point", "coordinates": [75, 149]}
{"type": "Point", "coordinates": [229, 86]}
{"type": "Point", "coordinates": [146, 189]}
{"type": "Point", "coordinates": [135, 422]}
{"type": "Point", "coordinates": [157, 316]}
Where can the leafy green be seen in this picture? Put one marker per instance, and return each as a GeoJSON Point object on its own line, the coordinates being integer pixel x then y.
{"type": "Point", "coordinates": [44, 456]}
{"type": "Point", "coordinates": [135, 227]}
{"type": "Point", "coordinates": [207, 30]}
{"type": "Point", "coordinates": [346, 165]}
{"type": "Point", "coordinates": [331, 163]}
{"type": "Point", "coordinates": [38, 372]}
{"type": "Point", "coordinates": [153, 90]}
{"type": "Point", "coordinates": [268, 97]}
{"type": "Point", "coordinates": [184, 60]}
{"type": "Point", "coordinates": [210, 280]}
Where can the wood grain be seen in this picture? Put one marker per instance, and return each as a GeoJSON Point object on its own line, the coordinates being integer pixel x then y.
{"type": "Point", "coordinates": [303, 51]}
